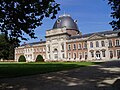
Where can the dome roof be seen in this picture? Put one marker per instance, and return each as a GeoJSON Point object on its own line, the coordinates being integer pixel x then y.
{"type": "Point", "coordinates": [65, 21]}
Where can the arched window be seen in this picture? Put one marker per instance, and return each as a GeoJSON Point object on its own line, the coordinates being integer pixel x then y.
{"type": "Point", "coordinates": [97, 44]}
{"type": "Point", "coordinates": [74, 55]}
{"type": "Point", "coordinates": [79, 46]}
{"type": "Point", "coordinates": [91, 44]}
{"type": "Point", "coordinates": [74, 46]}
{"type": "Point", "coordinates": [110, 43]}
{"type": "Point", "coordinates": [102, 43]}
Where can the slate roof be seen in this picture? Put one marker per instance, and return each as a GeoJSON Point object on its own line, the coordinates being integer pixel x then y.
{"type": "Point", "coordinates": [102, 33]}
{"type": "Point", "coordinates": [34, 43]}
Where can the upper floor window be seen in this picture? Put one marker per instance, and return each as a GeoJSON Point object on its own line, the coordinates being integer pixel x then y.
{"type": "Point", "coordinates": [110, 43]}
{"type": "Point", "coordinates": [103, 53]}
{"type": "Point", "coordinates": [102, 43]}
{"type": "Point", "coordinates": [69, 47]}
{"type": "Point", "coordinates": [97, 44]}
{"type": "Point", "coordinates": [79, 46]}
{"type": "Point", "coordinates": [91, 44]}
{"type": "Point", "coordinates": [85, 45]}
{"type": "Point", "coordinates": [74, 46]}
{"type": "Point", "coordinates": [48, 48]}
{"type": "Point", "coordinates": [117, 42]}
{"type": "Point", "coordinates": [62, 45]}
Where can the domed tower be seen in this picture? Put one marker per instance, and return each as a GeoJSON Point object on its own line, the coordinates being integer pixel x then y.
{"type": "Point", "coordinates": [65, 21]}
{"type": "Point", "coordinates": [56, 38]}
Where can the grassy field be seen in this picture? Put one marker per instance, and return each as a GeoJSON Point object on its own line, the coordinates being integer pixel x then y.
{"type": "Point", "coordinates": [22, 69]}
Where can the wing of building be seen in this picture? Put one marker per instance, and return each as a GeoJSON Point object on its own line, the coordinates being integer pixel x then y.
{"type": "Point", "coordinates": [64, 42]}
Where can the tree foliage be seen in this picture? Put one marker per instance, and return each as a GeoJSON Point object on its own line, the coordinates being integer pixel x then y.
{"type": "Point", "coordinates": [39, 58]}
{"type": "Point", "coordinates": [19, 17]}
{"type": "Point", "coordinates": [7, 48]}
{"type": "Point", "coordinates": [115, 6]}
{"type": "Point", "coordinates": [22, 59]}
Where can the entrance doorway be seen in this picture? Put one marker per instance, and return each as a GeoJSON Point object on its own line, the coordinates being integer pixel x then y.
{"type": "Point", "coordinates": [98, 55]}
{"type": "Point", "coordinates": [55, 54]}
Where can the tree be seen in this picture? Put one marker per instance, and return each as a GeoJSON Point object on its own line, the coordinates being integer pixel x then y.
{"type": "Point", "coordinates": [19, 17]}
{"type": "Point", "coordinates": [6, 48]}
{"type": "Point", "coordinates": [115, 6]}
{"type": "Point", "coordinates": [39, 58]}
{"type": "Point", "coordinates": [22, 59]}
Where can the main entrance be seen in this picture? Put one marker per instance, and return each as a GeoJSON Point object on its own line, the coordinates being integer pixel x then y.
{"type": "Point", "coordinates": [55, 54]}
{"type": "Point", "coordinates": [97, 55]}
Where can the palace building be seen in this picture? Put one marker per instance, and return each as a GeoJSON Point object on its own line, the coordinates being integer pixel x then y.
{"type": "Point", "coordinates": [64, 42]}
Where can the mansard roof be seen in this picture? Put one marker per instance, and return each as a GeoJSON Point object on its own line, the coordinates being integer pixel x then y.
{"type": "Point", "coordinates": [100, 33]}
{"type": "Point", "coordinates": [34, 43]}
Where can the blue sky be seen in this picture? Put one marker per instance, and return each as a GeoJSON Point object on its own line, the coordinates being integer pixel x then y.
{"type": "Point", "coordinates": [92, 16]}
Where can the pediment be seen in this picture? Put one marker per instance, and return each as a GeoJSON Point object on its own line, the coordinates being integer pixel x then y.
{"type": "Point", "coordinates": [96, 36]}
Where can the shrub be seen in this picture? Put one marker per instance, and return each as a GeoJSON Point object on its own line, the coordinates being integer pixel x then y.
{"type": "Point", "coordinates": [39, 59]}
{"type": "Point", "coordinates": [22, 59]}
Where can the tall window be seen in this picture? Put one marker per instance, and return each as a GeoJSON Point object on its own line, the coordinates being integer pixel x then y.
{"type": "Point", "coordinates": [63, 55]}
{"type": "Point", "coordinates": [74, 46]}
{"type": "Point", "coordinates": [79, 46]}
{"type": "Point", "coordinates": [91, 44]}
{"type": "Point", "coordinates": [110, 43]}
{"type": "Point", "coordinates": [111, 54]}
{"type": "Point", "coordinates": [74, 55]}
{"type": "Point", "coordinates": [69, 55]}
{"type": "Point", "coordinates": [69, 47]}
{"type": "Point", "coordinates": [103, 53]}
{"type": "Point", "coordinates": [48, 48]}
{"type": "Point", "coordinates": [62, 45]}
{"type": "Point", "coordinates": [92, 54]}
{"type": "Point", "coordinates": [97, 44]}
{"type": "Point", "coordinates": [80, 56]}
{"type": "Point", "coordinates": [102, 43]}
{"type": "Point", "coordinates": [85, 45]}
{"type": "Point", "coordinates": [117, 42]}
{"type": "Point", "coordinates": [118, 54]}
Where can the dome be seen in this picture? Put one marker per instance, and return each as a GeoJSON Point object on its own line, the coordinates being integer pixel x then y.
{"type": "Point", "coordinates": [65, 21]}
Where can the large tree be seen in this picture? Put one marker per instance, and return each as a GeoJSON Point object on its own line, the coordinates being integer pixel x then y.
{"type": "Point", "coordinates": [19, 17]}
{"type": "Point", "coordinates": [115, 6]}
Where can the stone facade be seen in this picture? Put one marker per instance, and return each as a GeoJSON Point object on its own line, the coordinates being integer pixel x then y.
{"type": "Point", "coordinates": [67, 44]}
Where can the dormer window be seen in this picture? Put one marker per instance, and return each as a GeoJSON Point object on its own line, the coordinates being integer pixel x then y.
{"type": "Point", "coordinates": [58, 21]}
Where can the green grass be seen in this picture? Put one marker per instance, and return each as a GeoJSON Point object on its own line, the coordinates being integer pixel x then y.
{"type": "Point", "coordinates": [23, 69]}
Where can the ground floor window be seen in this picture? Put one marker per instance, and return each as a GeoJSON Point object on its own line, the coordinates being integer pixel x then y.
{"type": "Point", "coordinates": [69, 55]}
{"type": "Point", "coordinates": [63, 55]}
{"type": "Point", "coordinates": [118, 54]}
{"type": "Point", "coordinates": [92, 54]}
{"type": "Point", "coordinates": [111, 54]}
{"type": "Point", "coordinates": [80, 56]}
{"type": "Point", "coordinates": [74, 55]}
{"type": "Point", "coordinates": [103, 53]}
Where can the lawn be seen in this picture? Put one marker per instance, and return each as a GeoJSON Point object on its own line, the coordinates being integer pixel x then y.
{"type": "Point", "coordinates": [8, 70]}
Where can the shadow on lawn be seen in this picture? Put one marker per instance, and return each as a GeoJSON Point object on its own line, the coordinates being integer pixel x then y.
{"type": "Point", "coordinates": [100, 77]}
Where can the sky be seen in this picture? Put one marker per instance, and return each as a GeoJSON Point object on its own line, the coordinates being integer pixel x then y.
{"type": "Point", "coordinates": [92, 16]}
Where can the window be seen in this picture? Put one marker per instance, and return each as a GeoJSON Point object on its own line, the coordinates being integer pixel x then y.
{"type": "Point", "coordinates": [103, 53]}
{"type": "Point", "coordinates": [48, 48]}
{"type": "Point", "coordinates": [91, 44]}
{"type": "Point", "coordinates": [69, 47]}
{"type": "Point", "coordinates": [63, 55]}
{"type": "Point", "coordinates": [79, 46]}
{"type": "Point", "coordinates": [102, 43]}
{"type": "Point", "coordinates": [97, 44]}
{"type": "Point", "coordinates": [92, 54]}
{"type": "Point", "coordinates": [74, 55]}
{"type": "Point", "coordinates": [110, 43]}
{"type": "Point", "coordinates": [62, 45]}
{"type": "Point", "coordinates": [117, 42]}
{"type": "Point", "coordinates": [80, 56]}
{"type": "Point", "coordinates": [74, 46]}
{"type": "Point", "coordinates": [111, 54]}
{"type": "Point", "coordinates": [69, 55]}
{"type": "Point", "coordinates": [118, 54]}
{"type": "Point", "coordinates": [85, 45]}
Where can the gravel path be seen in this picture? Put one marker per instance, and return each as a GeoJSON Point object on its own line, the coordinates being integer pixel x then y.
{"type": "Point", "coordinates": [98, 77]}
